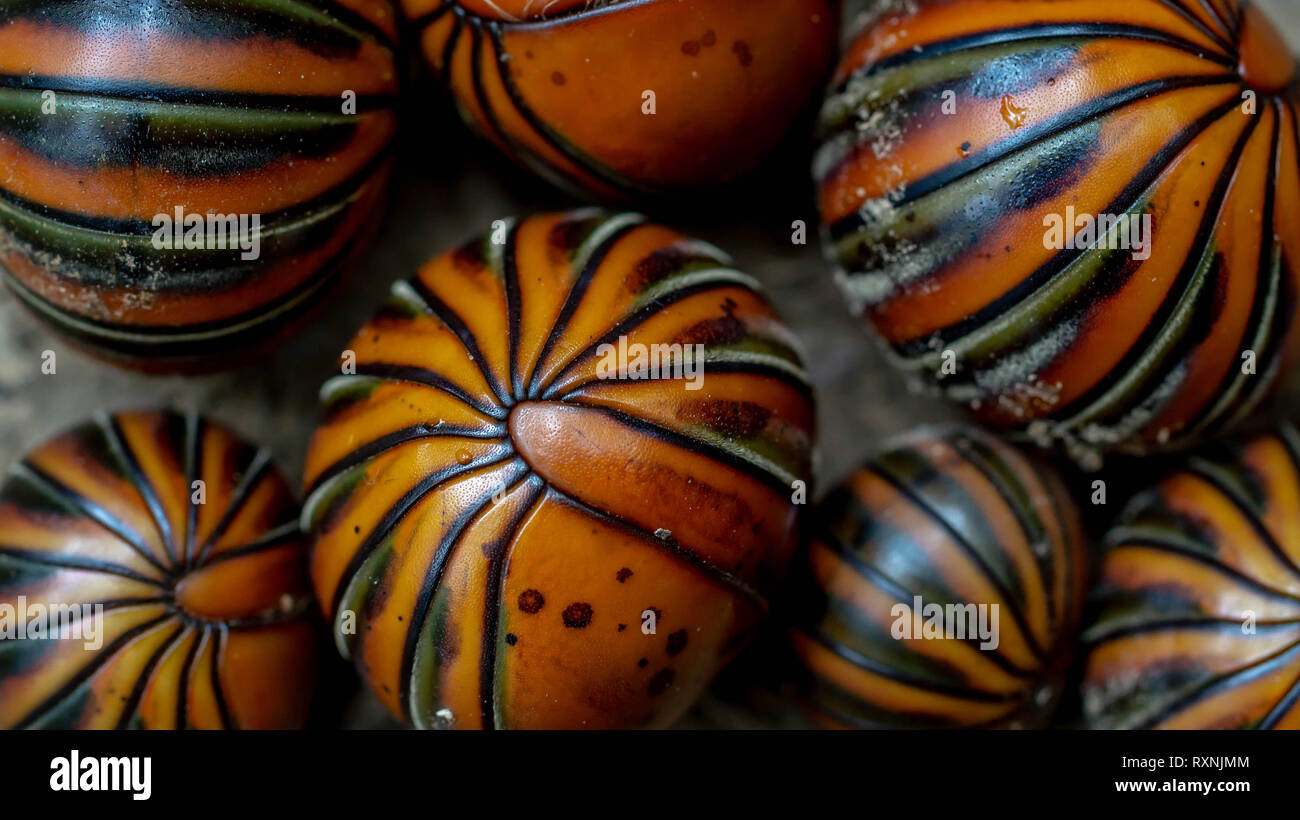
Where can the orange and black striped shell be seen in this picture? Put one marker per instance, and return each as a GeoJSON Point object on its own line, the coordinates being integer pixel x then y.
{"type": "Point", "coordinates": [957, 517]}
{"type": "Point", "coordinates": [957, 133]}
{"type": "Point", "coordinates": [1198, 601]}
{"type": "Point", "coordinates": [114, 113]}
{"type": "Point", "coordinates": [500, 513]}
{"type": "Point", "coordinates": [562, 85]}
{"type": "Point", "coordinates": [197, 592]}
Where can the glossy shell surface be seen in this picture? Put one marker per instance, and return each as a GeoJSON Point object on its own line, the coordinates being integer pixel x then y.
{"type": "Point", "coordinates": [958, 518]}
{"type": "Point", "coordinates": [633, 97]}
{"type": "Point", "coordinates": [1077, 218]}
{"type": "Point", "coordinates": [133, 133]}
{"type": "Point", "coordinates": [153, 577]}
{"type": "Point", "coordinates": [1198, 600]}
{"type": "Point", "coordinates": [513, 530]}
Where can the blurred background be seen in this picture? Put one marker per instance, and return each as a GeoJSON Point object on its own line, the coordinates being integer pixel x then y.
{"type": "Point", "coordinates": [449, 186]}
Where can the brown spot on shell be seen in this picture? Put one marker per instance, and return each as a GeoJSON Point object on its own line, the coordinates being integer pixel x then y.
{"type": "Point", "coordinates": [734, 418]}
{"type": "Point", "coordinates": [531, 601]}
{"type": "Point", "coordinates": [708, 38]}
{"type": "Point", "coordinates": [690, 48]}
{"type": "Point", "coordinates": [653, 268]}
{"type": "Point", "coordinates": [623, 574]}
{"type": "Point", "coordinates": [577, 615]}
{"type": "Point", "coordinates": [468, 257]}
{"type": "Point", "coordinates": [676, 643]}
{"type": "Point", "coordinates": [564, 238]}
{"type": "Point", "coordinates": [558, 78]}
{"type": "Point", "coordinates": [661, 682]}
{"type": "Point", "coordinates": [448, 646]}
{"type": "Point", "coordinates": [720, 331]}
{"type": "Point", "coordinates": [566, 235]}
{"type": "Point", "coordinates": [741, 49]}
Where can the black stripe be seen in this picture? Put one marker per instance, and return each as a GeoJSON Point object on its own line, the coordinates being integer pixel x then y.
{"type": "Point", "coordinates": [1208, 561]}
{"type": "Point", "coordinates": [871, 534]}
{"type": "Point", "coordinates": [585, 164]}
{"type": "Point", "coordinates": [510, 280]}
{"type": "Point", "coordinates": [861, 661]}
{"type": "Point", "coordinates": [1066, 514]}
{"type": "Point", "coordinates": [1269, 374]}
{"type": "Point", "coordinates": [429, 378]}
{"type": "Point", "coordinates": [1202, 246]}
{"type": "Point", "coordinates": [97, 660]}
{"type": "Point", "coordinates": [716, 368]}
{"type": "Point", "coordinates": [143, 679]}
{"type": "Point", "coordinates": [449, 50]}
{"type": "Point", "coordinates": [1285, 704]}
{"type": "Point", "coordinates": [57, 491]}
{"type": "Point", "coordinates": [64, 560]}
{"type": "Point", "coordinates": [1096, 636]}
{"type": "Point", "coordinates": [523, 153]}
{"type": "Point", "coordinates": [1173, 5]}
{"type": "Point", "coordinates": [634, 320]}
{"type": "Point", "coordinates": [272, 539]}
{"type": "Point", "coordinates": [194, 427]}
{"type": "Point", "coordinates": [423, 21]}
{"type": "Point", "coordinates": [101, 134]}
{"type": "Point", "coordinates": [573, 299]}
{"type": "Point", "coordinates": [875, 576]}
{"type": "Point", "coordinates": [1286, 435]}
{"type": "Point", "coordinates": [1265, 274]}
{"type": "Point", "coordinates": [433, 575]}
{"type": "Point", "coordinates": [196, 22]}
{"type": "Point", "coordinates": [443, 313]}
{"type": "Point", "coordinates": [669, 546]}
{"type": "Point", "coordinates": [399, 509]}
{"type": "Point", "coordinates": [159, 342]}
{"type": "Point", "coordinates": [577, 12]}
{"type": "Point", "coordinates": [903, 488]}
{"type": "Point", "coordinates": [220, 636]}
{"type": "Point", "coordinates": [113, 433]}
{"type": "Point", "coordinates": [492, 605]}
{"type": "Point", "coordinates": [476, 80]}
{"type": "Point", "coordinates": [260, 467]}
{"type": "Point", "coordinates": [1062, 259]}
{"type": "Point", "coordinates": [1058, 125]}
{"type": "Point", "coordinates": [397, 438]}
{"type": "Point", "coordinates": [352, 19]}
{"type": "Point", "coordinates": [1243, 508]}
{"type": "Point", "coordinates": [991, 465]}
{"type": "Point", "coordinates": [1046, 31]}
{"type": "Point", "coordinates": [1221, 683]}
{"type": "Point", "coordinates": [1229, 26]}
{"type": "Point", "coordinates": [133, 91]}
{"type": "Point", "coordinates": [183, 685]}
{"type": "Point", "coordinates": [325, 200]}
{"type": "Point", "coordinates": [693, 445]}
